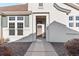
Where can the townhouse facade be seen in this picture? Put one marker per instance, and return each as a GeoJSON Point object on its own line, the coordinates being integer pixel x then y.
{"type": "Point", "coordinates": [54, 22]}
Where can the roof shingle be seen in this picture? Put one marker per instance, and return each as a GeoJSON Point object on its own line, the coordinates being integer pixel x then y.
{"type": "Point", "coordinates": [22, 7]}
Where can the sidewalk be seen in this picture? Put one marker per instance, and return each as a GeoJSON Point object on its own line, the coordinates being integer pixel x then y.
{"type": "Point", "coordinates": [41, 48]}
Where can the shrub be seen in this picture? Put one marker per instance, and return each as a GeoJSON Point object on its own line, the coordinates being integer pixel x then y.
{"type": "Point", "coordinates": [72, 46]}
{"type": "Point", "coordinates": [5, 51]}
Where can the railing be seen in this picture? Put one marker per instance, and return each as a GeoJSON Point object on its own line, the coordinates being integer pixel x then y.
{"type": "Point", "coordinates": [61, 9]}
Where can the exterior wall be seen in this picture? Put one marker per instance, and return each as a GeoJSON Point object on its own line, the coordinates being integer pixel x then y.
{"type": "Point", "coordinates": [34, 7]}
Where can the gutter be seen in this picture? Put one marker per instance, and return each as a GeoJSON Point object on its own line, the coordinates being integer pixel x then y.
{"type": "Point", "coordinates": [72, 5]}
{"type": "Point", "coordinates": [61, 9]}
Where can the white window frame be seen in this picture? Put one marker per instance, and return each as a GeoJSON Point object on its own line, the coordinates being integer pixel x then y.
{"type": "Point", "coordinates": [76, 18]}
{"type": "Point", "coordinates": [76, 24]}
{"type": "Point", "coordinates": [16, 21]}
{"type": "Point", "coordinates": [72, 24]}
{"type": "Point", "coordinates": [70, 21]}
{"type": "Point", "coordinates": [76, 21]}
{"type": "Point", "coordinates": [72, 18]}
{"type": "Point", "coordinates": [11, 28]}
{"type": "Point", "coordinates": [12, 16]}
{"type": "Point", "coordinates": [19, 28]}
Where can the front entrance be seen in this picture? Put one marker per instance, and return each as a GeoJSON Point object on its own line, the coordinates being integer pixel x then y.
{"type": "Point", "coordinates": [40, 27]}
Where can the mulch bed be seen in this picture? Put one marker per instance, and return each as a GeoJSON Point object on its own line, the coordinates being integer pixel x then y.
{"type": "Point", "coordinates": [18, 48]}
{"type": "Point", "coordinates": [59, 48]}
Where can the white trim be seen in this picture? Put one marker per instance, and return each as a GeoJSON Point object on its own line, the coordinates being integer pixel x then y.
{"type": "Point", "coordinates": [16, 21]}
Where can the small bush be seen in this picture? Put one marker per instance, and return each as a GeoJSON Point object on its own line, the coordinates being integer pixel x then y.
{"type": "Point", "coordinates": [5, 51]}
{"type": "Point", "coordinates": [72, 46]}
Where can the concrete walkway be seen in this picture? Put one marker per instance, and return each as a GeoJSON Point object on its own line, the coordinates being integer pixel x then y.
{"type": "Point", "coordinates": [41, 48]}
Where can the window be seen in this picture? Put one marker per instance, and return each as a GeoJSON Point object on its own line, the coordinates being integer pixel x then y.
{"type": "Point", "coordinates": [19, 25]}
{"type": "Point", "coordinates": [11, 18]}
{"type": "Point", "coordinates": [11, 25]}
{"type": "Point", "coordinates": [11, 31]}
{"type": "Point", "coordinates": [70, 24]}
{"type": "Point", "coordinates": [11, 28]}
{"type": "Point", "coordinates": [20, 18]}
{"type": "Point", "coordinates": [77, 24]}
{"type": "Point", "coordinates": [20, 28]}
{"type": "Point", "coordinates": [73, 21]}
{"type": "Point", "coordinates": [16, 27]}
{"type": "Point", "coordinates": [70, 18]}
{"type": "Point", "coordinates": [77, 17]}
{"type": "Point", "coordinates": [20, 32]}
{"type": "Point", "coordinates": [41, 4]}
